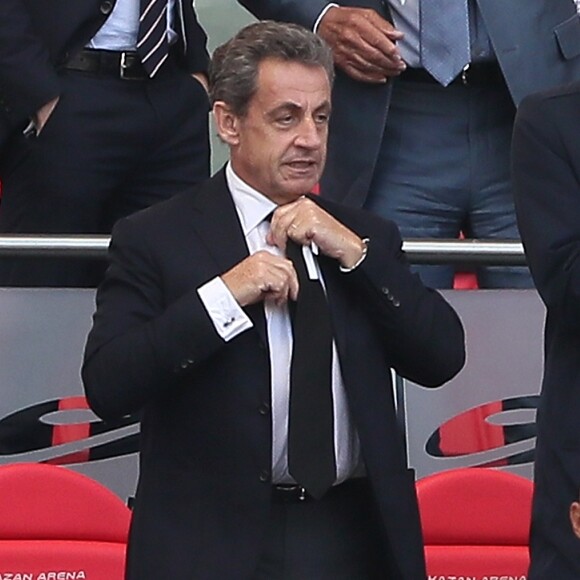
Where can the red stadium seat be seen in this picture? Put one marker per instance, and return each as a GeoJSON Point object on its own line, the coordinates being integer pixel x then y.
{"type": "Point", "coordinates": [56, 523]}
{"type": "Point", "coordinates": [465, 281]}
{"type": "Point", "coordinates": [475, 523]}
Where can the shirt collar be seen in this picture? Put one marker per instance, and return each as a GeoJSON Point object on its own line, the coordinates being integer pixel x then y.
{"type": "Point", "coordinates": [252, 206]}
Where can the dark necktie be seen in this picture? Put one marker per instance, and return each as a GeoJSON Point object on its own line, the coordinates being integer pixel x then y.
{"type": "Point", "coordinates": [444, 38]}
{"type": "Point", "coordinates": [152, 44]}
{"type": "Point", "coordinates": [311, 459]}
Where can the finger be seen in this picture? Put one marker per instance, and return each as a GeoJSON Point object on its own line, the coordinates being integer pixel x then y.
{"type": "Point", "coordinates": [380, 47]}
{"type": "Point", "coordinates": [365, 71]}
{"type": "Point", "coordinates": [280, 289]}
{"type": "Point", "coordinates": [374, 31]}
{"type": "Point", "coordinates": [277, 236]}
{"type": "Point", "coordinates": [281, 298]}
{"type": "Point", "coordinates": [374, 54]}
{"type": "Point", "coordinates": [295, 229]}
{"type": "Point", "coordinates": [299, 234]}
{"type": "Point", "coordinates": [282, 217]}
{"type": "Point", "coordinates": [364, 77]}
{"type": "Point", "coordinates": [383, 26]}
{"type": "Point", "coordinates": [293, 286]}
{"type": "Point", "coordinates": [304, 221]}
{"type": "Point", "coordinates": [394, 34]}
{"type": "Point", "coordinates": [278, 280]}
{"type": "Point", "coordinates": [288, 288]}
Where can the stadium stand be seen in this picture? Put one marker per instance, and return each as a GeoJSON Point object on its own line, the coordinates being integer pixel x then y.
{"type": "Point", "coordinates": [56, 521]}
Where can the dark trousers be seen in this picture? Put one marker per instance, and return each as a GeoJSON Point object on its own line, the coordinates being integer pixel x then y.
{"type": "Point", "coordinates": [111, 147]}
{"type": "Point", "coordinates": [336, 538]}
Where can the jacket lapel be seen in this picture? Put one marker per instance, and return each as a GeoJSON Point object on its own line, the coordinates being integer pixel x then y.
{"type": "Point", "coordinates": [217, 224]}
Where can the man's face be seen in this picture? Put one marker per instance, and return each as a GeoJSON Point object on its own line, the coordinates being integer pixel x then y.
{"type": "Point", "coordinates": [280, 144]}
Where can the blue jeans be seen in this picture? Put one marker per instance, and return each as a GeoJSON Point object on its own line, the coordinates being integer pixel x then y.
{"type": "Point", "coordinates": [444, 167]}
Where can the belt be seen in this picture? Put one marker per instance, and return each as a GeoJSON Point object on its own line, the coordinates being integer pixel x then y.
{"type": "Point", "coordinates": [122, 65]}
{"type": "Point", "coordinates": [477, 74]}
{"type": "Point", "coordinates": [288, 493]}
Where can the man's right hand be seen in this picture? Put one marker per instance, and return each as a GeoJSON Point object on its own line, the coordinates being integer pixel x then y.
{"type": "Point", "coordinates": [262, 276]}
{"type": "Point", "coordinates": [363, 43]}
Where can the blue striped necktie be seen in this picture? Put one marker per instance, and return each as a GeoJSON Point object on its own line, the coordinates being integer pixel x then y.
{"type": "Point", "coordinates": [152, 42]}
{"type": "Point", "coordinates": [445, 49]}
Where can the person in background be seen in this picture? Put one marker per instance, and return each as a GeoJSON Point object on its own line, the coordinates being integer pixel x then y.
{"type": "Point", "coordinates": [255, 327]}
{"type": "Point", "coordinates": [424, 103]}
{"type": "Point", "coordinates": [546, 171]}
{"type": "Point", "coordinates": [103, 111]}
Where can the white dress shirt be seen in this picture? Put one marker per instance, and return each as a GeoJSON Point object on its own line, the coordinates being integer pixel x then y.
{"type": "Point", "coordinates": [119, 32]}
{"type": "Point", "coordinates": [230, 320]}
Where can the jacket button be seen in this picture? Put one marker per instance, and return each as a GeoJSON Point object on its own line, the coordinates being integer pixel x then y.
{"type": "Point", "coordinates": [264, 476]}
{"type": "Point", "coordinates": [106, 7]}
{"type": "Point", "coordinates": [385, 290]}
{"type": "Point", "coordinates": [264, 409]}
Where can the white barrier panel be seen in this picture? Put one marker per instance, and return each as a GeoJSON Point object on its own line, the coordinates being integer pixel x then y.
{"type": "Point", "coordinates": [43, 415]}
{"type": "Point", "coordinates": [485, 416]}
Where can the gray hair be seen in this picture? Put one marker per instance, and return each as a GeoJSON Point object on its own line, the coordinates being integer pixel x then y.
{"type": "Point", "coordinates": [233, 71]}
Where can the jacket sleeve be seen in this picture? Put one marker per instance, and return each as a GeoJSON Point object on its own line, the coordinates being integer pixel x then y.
{"type": "Point", "coordinates": [421, 334]}
{"type": "Point", "coordinates": [27, 78]}
{"type": "Point", "coordinates": [547, 196]}
{"type": "Point", "coordinates": [140, 346]}
{"type": "Point", "coordinates": [298, 11]}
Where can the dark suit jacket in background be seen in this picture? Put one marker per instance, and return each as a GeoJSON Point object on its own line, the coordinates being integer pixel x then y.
{"type": "Point", "coordinates": [204, 492]}
{"type": "Point", "coordinates": [36, 36]}
{"type": "Point", "coordinates": [537, 43]}
{"type": "Point", "coordinates": [546, 168]}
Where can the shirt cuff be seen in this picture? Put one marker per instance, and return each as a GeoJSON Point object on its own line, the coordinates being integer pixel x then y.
{"type": "Point", "coordinates": [365, 251]}
{"type": "Point", "coordinates": [321, 15]}
{"type": "Point", "coordinates": [227, 315]}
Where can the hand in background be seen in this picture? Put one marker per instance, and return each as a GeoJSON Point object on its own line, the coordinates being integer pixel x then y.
{"type": "Point", "coordinates": [363, 43]}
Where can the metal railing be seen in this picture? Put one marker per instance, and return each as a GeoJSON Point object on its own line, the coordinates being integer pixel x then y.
{"type": "Point", "coordinates": [424, 251]}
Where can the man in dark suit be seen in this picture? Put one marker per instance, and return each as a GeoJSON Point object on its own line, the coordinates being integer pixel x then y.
{"type": "Point", "coordinates": [201, 326]}
{"type": "Point", "coordinates": [546, 169]}
{"type": "Point", "coordinates": [432, 154]}
{"type": "Point", "coordinates": [102, 112]}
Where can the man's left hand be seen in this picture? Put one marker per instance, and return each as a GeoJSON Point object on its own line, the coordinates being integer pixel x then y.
{"type": "Point", "coordinates": [305, 222]}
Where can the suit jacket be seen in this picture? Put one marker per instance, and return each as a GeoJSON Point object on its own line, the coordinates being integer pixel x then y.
{"type": "Point", "coordinates": [203, 497]}
{"type": "Point", "coordinates": [37, 36]}
{"type": "Point", "coordinates": [546, 171]}
{"type": "Point", "coordinates": [537, 43]}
